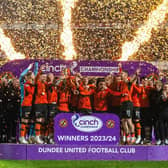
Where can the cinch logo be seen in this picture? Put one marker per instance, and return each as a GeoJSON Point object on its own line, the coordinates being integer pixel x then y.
{"type": "Point", "coordinates": [59, 68]}
{"type": "Point", "coordinates": [86, 123]}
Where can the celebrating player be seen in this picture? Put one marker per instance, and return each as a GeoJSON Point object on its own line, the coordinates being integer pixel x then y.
{"type": "Point", "coordinates": [27, 105]}
{"type": "Point", "coordinates": [127, 107]}
{"type": "Point", "coordinates": [52, 106]}
{"type": "Point", "coordinates": [41, 106]}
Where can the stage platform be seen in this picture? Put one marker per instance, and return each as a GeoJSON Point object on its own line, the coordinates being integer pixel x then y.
{"type": "Point", "coordinates": [82, 152]}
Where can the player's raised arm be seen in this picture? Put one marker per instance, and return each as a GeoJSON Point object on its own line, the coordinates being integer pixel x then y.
{"type": "Point", "coordinates": [25, 72]}
{"type": "Point", "coordinates": [36, 66]}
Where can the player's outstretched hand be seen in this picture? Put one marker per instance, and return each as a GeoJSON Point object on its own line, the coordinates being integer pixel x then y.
{"type": "Point", "coordinates": [125, 94]}
{"type": "Point", "coordinates": [30, 66]}
{"type": "Point", "coordinates": [76, 92]}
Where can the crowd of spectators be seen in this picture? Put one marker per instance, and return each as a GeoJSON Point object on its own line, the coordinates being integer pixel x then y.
{"type": "Point", "coordinates": [9, 108]}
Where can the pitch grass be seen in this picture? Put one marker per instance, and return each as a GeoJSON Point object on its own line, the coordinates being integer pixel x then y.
{"type": "Point", "coordinates": [81, 164]}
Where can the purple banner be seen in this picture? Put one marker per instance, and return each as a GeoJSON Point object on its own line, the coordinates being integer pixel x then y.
{"type": "Point", "coordinates": [90, 152]}
{"type": "Point", "coordinates": [158, 153]}
{"type": "Point", "coordinates": [13, 152]}
{"type": "Point", "coordinates": [83, 152]}
{"type": "Point", "coordinates": [96, 129]}
{"type": "Point", "coordinates": [88, 68]}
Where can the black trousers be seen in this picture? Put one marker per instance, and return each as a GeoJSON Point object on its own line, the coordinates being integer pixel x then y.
{"type": "Point", "coordinates": [11, 121]}
{"type": "Point", "coordinates": [163, 125]}
{"type": "Point", "coordinates": [3, 129]}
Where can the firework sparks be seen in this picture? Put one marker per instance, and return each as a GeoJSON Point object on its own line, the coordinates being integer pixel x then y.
{"type": "Point", "coordinates": [7, 47]}
{"type": "Point", "coordinates": [66, 35]}
{"type": "Point", "coordinates": [144, 33]}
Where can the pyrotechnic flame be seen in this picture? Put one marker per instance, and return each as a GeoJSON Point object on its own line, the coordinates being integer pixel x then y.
{"type": "Point", "coordinates": [144, 33]}
{"type": "Point", "coordinates": [66, 35]}
{"type": "Point", "coordinates": [7, 47]}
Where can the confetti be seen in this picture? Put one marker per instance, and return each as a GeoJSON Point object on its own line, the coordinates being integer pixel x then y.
{"type": "Point", "coordinates": [99, 29]}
